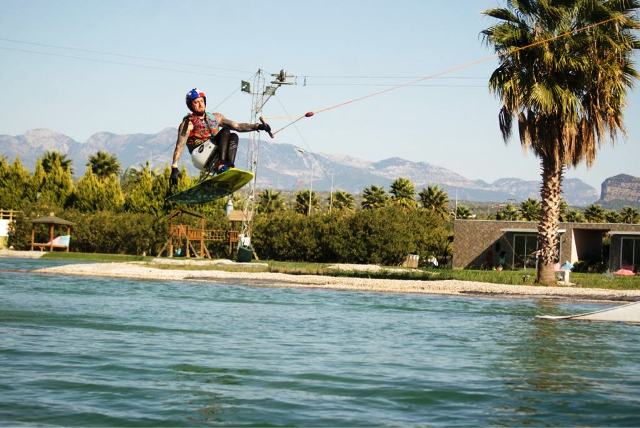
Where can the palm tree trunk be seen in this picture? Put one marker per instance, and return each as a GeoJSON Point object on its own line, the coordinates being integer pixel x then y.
{"type": "Point", "coordinates": [548, 227]}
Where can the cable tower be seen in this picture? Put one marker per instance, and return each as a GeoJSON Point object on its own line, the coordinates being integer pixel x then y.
{"type": "Point", "coordinates": [261, 92]}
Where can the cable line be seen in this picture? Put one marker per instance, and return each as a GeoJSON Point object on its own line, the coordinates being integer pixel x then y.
{"type": "Point", "coordinates": [446, 71]}
{"type": "Point", "coordinates": [106, 61]}
{"type": "Point", "coordinates": [122, 55]}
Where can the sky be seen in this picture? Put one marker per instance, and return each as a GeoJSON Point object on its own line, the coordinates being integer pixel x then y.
{"type": "Point", "coordinates": [80, 67]}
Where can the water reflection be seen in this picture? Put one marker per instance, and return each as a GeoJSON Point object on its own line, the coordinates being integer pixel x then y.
{"type": "Point", "coordinates": [551, 358]}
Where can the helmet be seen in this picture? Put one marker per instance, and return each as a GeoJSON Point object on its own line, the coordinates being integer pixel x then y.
{"type": "Point", "coordinates": [194, 94]}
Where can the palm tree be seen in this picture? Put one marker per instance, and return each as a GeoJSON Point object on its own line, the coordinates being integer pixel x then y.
{"type": "Point", "coordinates": [574, 216]}
{"type": "Point", "coordinates": [595, 214]}
{"type": "Point", "coordinates": [270, 201]}
{"type": "Point", "coordinates": [104, 164]}
{"type": "Point", "coordinates": [508, 213]}
{"type": "Point", "coordinates": [374, 197]}
{"type": "Point", "coordinates": [50, 158]}
{"type": "Point", "coordinates": [566, 88]}
{"type": "Point", "coordinates": [530, 209]}
{"type": "Point", "coordinates": [629, 215]}
{"type": "Point", "coordinates": [435, 200]}
{"type": "Point", "coordinates": [563, 210]}
{"type": "Point", "coordinates": [611, 216]}
{"type": "Point", "coordinates": [343, 200]}
{"type": "Point", "coordinates": [403, 193]}
{"type": "Point", "coordinates": [303, 198]}
{"type": "Point", "coordinates": [463, 212]}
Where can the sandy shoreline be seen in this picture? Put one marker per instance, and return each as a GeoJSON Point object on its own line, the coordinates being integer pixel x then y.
{"type": "Point", "coordinates": [140, 270]}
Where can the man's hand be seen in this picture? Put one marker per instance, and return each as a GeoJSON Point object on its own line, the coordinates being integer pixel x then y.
{"type": "Point", "coordinates": [264, 127]}
{"type": "Point", "coordinates": [175, 176]}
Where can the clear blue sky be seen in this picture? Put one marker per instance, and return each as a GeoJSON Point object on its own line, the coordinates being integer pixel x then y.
{"type": "Point", "coordinates": [212, 45]}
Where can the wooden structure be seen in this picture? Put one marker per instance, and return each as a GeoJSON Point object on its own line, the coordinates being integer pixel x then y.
{"type": "Point", "coordinates": [182, 236]}
{"type": "Point", "coordinates": [60, 242]}
{"type": "Point", "coordinates": [191, 241]}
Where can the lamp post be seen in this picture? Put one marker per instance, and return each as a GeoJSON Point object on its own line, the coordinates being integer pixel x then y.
{"type": "Point", "coordinates": [302, 152]}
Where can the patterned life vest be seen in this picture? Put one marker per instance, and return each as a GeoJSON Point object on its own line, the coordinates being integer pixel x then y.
{"type": "Point", "coordinates": [204, 128]}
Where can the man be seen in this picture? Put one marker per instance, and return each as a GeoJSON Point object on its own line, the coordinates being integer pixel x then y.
{"type": "Point", "coordinates": [207, 136]}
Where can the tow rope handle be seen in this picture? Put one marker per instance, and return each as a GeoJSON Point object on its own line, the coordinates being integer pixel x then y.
{"type": "Point", "coordinates": [264, 123]}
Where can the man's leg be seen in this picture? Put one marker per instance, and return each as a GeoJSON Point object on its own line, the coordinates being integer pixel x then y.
{"type": "Point", "coordinates": [227, 143]}
{"type": "Point", "coordinates": [232, 149]}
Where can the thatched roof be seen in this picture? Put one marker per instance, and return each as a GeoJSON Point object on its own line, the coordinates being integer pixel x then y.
{"type": "Point", "coordinates": [51, 219]}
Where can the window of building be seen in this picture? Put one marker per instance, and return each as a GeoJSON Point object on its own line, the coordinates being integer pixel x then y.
{"type": "Point", "coordinates": [630, 252]}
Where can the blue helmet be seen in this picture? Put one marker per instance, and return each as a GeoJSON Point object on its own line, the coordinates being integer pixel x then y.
{"type": "Point", "coordinates": [193, 94]}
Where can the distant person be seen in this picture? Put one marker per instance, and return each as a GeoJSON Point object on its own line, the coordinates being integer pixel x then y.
{"type": "Point", "coordinates": [208, 137]}
{"type": "Point", "coordinates": [502, 259]}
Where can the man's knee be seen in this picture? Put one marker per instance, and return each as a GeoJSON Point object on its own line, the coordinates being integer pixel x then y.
{"type": "Point", "coordinates": [223, 135]}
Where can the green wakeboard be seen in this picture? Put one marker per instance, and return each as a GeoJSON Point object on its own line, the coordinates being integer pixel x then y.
{"type": "Point", "coordinates": [213, 188]}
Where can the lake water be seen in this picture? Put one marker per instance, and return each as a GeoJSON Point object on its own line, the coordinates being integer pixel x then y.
{"type": "Point", "coordinates": [80, 351]}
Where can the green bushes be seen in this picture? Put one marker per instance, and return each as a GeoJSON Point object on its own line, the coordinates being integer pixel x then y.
{"type": "Point", "coordinates": [382, 236]}
{"type": "Point", "coordinates": [128, 215]}
{"type": "Point", "coordinates": [104, 232]}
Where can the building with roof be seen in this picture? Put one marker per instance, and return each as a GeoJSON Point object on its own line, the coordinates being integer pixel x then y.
{"type": "Point", "coordinates": [513, 244]}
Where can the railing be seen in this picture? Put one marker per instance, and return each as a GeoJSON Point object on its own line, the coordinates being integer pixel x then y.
{"type": "Point", "coordinates": [8, 214]}
{"type": "Point", "coordinates": [220, 235]}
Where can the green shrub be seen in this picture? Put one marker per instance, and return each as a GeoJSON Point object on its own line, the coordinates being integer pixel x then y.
{"type": "Point", "coordinates": [382, 236]}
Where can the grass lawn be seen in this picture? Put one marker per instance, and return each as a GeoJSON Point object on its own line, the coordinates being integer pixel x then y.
{"type": "Point", "coordinates": [514, 277]}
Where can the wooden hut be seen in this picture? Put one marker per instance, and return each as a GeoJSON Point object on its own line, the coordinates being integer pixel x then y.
{"type": "Point", "coordinates": [61, 241]}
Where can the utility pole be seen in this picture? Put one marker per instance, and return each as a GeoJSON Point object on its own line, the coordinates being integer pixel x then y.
{"type": "Point", "coordinates": [310, 188]}
{"type": "Point", "coordinates": [331, 194]}
{"type": "Point", "coordinates": [260, 93]}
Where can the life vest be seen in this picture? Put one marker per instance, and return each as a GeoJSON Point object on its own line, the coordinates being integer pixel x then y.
{"type": "Point", "coordinates": [204, 128]}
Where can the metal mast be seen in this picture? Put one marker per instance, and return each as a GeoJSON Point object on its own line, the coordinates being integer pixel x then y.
{"type": "Point", "coordinates": [260, 93]}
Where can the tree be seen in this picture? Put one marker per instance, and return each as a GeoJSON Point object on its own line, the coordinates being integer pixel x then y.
{"type": "Point", "coordinates": [303, 199]}
{"type": "Point", "coordinates": [564, 208]}
{"type": "Point", "coordinates": [54, 184]}
{"type": "Point", "coordinates": [594, 214]}
{"type": "Point", "coordinates": [403, 193]}
{"type": "Point", "coordinates": [435, 200]}
{"type": "Point", "coordinates": [142, 197]}
{"type": "Point", "coordinates": [104, 164]}
{"type": "Point", "coordinates": [270, 201]}
{"type": "Point", "coordinates": [611, 216]}
{"type": "Point", "coordinates": [463, 212]}
{"type": "Point", "coordinates": [52, 158]}
{"type": "Point", "coordinates": [508, 213]}
{"type": "Point", "coordinates": [530, 209]}
{"type": "Point", "coordinates": [566, 89]}
{"type": "Point", "coordinates": [374, 197]}
{"type": "Point", "coordinates": [343, 201]}
{"type": "Point", "coordinates": [629, 215]}
{"type": "Point", "coordinates": [15, 184]}
{"type": "Point", "coordinates": [95, 194]}
{"type": "Point", "coordinates": [574, 216]}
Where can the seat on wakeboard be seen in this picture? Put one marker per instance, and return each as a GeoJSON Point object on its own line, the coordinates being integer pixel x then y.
{"type": "Point", "coordinates": [213, 188]}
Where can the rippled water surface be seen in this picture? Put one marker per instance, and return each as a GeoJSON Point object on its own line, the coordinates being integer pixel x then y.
{"type": "Point", "coordinates": [79, 351]}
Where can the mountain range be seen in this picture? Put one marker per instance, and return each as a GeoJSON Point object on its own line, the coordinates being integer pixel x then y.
{"type": "Point", "coordinates": [286, 167]}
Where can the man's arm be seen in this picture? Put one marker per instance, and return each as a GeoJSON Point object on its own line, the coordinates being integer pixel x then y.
{"type": "Point", "coordinates": [183, 134]}
{"type": "Point", "coordinates": [237, 126]}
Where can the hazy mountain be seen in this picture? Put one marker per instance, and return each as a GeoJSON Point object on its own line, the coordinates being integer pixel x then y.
{"type": "Point", "coordinates": [283, 166]}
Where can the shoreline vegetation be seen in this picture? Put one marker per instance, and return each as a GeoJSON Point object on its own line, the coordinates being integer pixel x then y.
{"type": "Point", "coordinates": [505, 284]}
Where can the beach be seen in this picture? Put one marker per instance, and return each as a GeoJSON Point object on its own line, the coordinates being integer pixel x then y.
{"type": "Point", "coordinates": [170, 270]}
